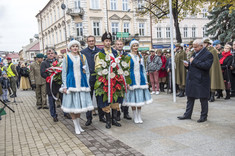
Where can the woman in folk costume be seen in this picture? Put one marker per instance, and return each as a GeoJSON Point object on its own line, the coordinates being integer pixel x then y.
{"type": "Point", "coordinates": [137, 93]}
{"type": "Point", "coordinates": [76, 89]}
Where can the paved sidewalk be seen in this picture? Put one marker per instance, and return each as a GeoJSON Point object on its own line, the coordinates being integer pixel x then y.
{"type": "Point", "coordinates": [32, 132]}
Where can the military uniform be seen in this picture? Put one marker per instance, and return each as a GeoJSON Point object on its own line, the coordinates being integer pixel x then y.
{"type": "Point", "coordinates": [180, 71]}
{"type": "Point", "coordinates": [12, 75]}
{"type": "Point", "coordinates": [216, 77]}
{"type": "Point", "coordinates": [36, 79]}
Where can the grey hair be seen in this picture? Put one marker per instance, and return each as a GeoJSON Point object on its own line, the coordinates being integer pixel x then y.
{"type": "Point", "coordinates": [198, 42]}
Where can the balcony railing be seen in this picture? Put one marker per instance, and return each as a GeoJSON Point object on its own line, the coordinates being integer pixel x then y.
{"type": "Point", "coordinates": [75, 11]}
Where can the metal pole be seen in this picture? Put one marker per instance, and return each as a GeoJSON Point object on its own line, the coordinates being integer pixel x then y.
{"type": "Point", "coordinates": [107, 16]}
{"type": "Point", "coordinates": [151, 31]}
{"type": "Point", "coordinates": [65, 29]}
{"type": "Point", "coordinates": [172, 52]}
{"type": "Point", "coordinates": [42, 33]}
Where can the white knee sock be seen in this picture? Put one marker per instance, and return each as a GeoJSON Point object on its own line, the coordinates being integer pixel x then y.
{"type": "Point", "coordinates": [135, 116]}
{"type": "Point", "coordinates": [79, 127]}
{"type": "Point", "coordinates": [139, 116]}
{"type": "Point", "coordinates": [77, 131]}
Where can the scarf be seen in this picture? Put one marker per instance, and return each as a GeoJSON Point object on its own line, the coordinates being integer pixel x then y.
{"type": "Point", "coordinates": [225, 55]}
{"type": "Point", "coordinates": [151, 57]}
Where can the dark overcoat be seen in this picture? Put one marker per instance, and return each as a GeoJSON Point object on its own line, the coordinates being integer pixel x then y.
{"type": "Point", "coordinates": [55, 87]}
{"type": "Point", "coordinates": [198, 78]}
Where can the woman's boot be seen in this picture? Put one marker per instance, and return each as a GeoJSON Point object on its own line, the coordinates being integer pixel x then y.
{"type": "Point", "coordinates": [135, 116]}
{"type": "Point", "coordinates": [212, 98]}
{"type": "Point", "coordinates": [77, 131]}
{"type": "Point", "coordinates": [139, 116]}
{"type": "Point", "coordinates": [108, 120]}
{"type": "Point", "coordinates": [227, 95]}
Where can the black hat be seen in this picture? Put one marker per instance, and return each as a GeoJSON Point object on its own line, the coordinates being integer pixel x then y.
{"type": "Point", "coordinates": [106, 35]}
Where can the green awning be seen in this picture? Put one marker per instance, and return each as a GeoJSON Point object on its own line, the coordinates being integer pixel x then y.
{"type": "Point", "coordinates": [143, 48]}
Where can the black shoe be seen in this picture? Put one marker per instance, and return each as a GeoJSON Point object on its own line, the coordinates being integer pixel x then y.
{"type": "Point", "coordinates": [45, 107]}
{"type": "Point", "coordinates": [182, 94]}
{"type": "Point", "coordinates": [183, 117]}
{"type": "Point", "coordinates": [58, 106]}
{"type": "Point", "coordinates": [212, 98]}
{"type": "Point", "coordinates": [88, 123]}
{"type": "Point", "coordinates": [227, 95]}
{"type": "Point", "coordinates": [67, 116]}
{"type": "Point", "coordinates": [108, 120]}
{"type": "Point", "coordinates": [102, 120]}
{"type": "Point", "coordinates": [114, 118]}
{"type": "Point", "coordinates": [4, 101]}
{"type": "Point", "coordinates": [118, 115]}
{"type": "Point", "coordinates": [55, 119]}
{"type": "Point", "coordinates": [219, 94]}
{"type": "Point", "coordinates": [126, 116]}
{"type": "Point", "coordinates": [39, 107]}
{"type": "Point", "coordinates": [13, 96]}
{"type": "Point", "coordinates": [201, 120]}
{"type": "Point", "coordinates": [7, 101]}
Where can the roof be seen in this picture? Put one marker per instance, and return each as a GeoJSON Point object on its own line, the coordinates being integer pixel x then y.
{"type": "Point", "coordinates": [13, 55]}
{"type": "Point", "coordinates": [31, 45]}
{"type": "Point", "coordinates": [35, 47]}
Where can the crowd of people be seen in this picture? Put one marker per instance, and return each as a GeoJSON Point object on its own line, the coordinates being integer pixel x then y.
{"type": "Point", "coordinates": [203, 70]}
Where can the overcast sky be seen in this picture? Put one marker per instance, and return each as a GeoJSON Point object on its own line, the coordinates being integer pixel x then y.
{"type": "Point", "coordinates": [18, 22]}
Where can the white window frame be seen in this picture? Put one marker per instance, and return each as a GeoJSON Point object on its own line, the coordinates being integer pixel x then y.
{"type": "Point", "coordinates": [77, 5]}
{"type": "Point", "coordinates": [141, 29]}
{"type": "Point", "coordinates": [56, 37]}
{"type": "Point", "coordinates": [204, 13]}
{"type": "Point", "coordinates": [159, 32]}
{"type": "Point", "coordinates": [95, 4]}
{"type": "Point", "coordinates": [140, 3]}
{"type": "Point", "coordinates": [168, 33]}
{"type": "Point", "coordinates": [55, 14]}
{"type": "Point", "coordinates": [125, 5]}
{"type": "Point", "coordinates": [204, 31]}
{"type": "Point", "coordinates": [79, 29]}
{"type": "Point", "coordinates": [113, 4]}
{"type": "Point", "coordinates": [126, 27]}
{"type": "Point", "coordinates": [97, 28]}
{"type": "Point", "coordinates": [58, 12]}
{"type": "Point", "coordinates": [115, 29]}
{"type": "Point", "coordinates": [185, 30]}
{"type": "Point", "coordinates": [194, 32]}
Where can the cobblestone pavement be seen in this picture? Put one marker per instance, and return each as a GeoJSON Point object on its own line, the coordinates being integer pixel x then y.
{"type": "Point", "coordinates": [29, 131]}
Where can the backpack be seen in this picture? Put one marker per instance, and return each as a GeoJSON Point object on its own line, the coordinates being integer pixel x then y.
{"type": "Point", "coordinates": [25, 72]}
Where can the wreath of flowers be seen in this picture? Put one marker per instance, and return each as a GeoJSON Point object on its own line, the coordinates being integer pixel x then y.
{"type": "Point", "coordinates": [112, 77]}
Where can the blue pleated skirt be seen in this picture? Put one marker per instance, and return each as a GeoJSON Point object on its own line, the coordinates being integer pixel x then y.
{"type": "Point", "coordinates": [137, 98]}
{"type": "Point", "coordinates": [77, 102]}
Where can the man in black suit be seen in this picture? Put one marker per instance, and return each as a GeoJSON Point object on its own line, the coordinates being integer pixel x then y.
{"type": "Point", "coordinates": [198, 80]}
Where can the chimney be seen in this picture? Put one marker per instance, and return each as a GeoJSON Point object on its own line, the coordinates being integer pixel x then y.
{"type": "Point", "coordinates": [31, 40]}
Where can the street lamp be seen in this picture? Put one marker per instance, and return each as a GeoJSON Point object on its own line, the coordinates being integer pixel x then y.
{"type": "Point", "coordinates": [63, 7]}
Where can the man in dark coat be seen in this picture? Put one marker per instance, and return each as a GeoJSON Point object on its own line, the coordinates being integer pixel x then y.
{"type": "Point", "coordinates": [232, 68]}
{"type": "Point", "coordinates": [119, 47]}
{"type": "Point", "coordinates": [90, 53]}
{"type": "Point", "coordinates": [55, 87]}
{"type": "Point", "coordinates": [198, 80]}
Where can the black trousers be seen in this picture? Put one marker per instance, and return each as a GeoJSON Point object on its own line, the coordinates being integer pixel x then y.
{"type": "Point", "coordinates": [100, 111]}
{"type": "Point", "coordinates": [190, 104]}
{"type": "Point", "coordinates": [233, 84]}
{"type": "Point", "coordinates": [125, 110]}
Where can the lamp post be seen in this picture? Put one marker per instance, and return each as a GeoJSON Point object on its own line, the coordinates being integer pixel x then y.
{"type": "Point", "coordinates": [63, 7]}
{"type": "Point", "coordinates": [42, 32]}
{"type": "Point", "coordinates": [107, 16]}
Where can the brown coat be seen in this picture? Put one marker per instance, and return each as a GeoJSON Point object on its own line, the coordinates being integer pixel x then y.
{"type": "Point", "coordinates": [180, 71]}
{"type": "Point", "coordinates": [35, 75]}
{"type": "Point", "coordinates": [216, 77]}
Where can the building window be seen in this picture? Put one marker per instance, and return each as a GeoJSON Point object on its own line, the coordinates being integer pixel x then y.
{"type": "Point", "coordinates": [55, 15]}
{"type": "Point", "coordinates": [115, 29]}
{"type": "Point", "coordinates": [185, 32]}
{"type": "Point", "coordinates": [32, 55]}
{"type": "Point", "coordinates": [140, 4]}
{"type": "Point", "coordinates": [60, 36]}
{"type": "Point", "coordinates": [51, 18]}
{"type": "Point", "coordinates": [56, 37]}
{"type": "Point", "coordinates": [159, 32]}
{"type": "Point", "coordinates": [79, 29]}
{"type": "Point", "coordinates": [126, 28]}
{"type": "Point", "coordinates": [95, 4]}
{"type": "Point", "coordinates": [168, 33]}
{"type": "Point", "coordinates": [204, 31]}
{"type": "Point", "coordinates": [124, 5]}
{"type": "Point", "coordinates": [77, 4]}
{"type": "Point", "coordinates": [141, 29]}
{"type": "Point", "coordinates": [96, 28]}
{"type": "Point", "coordinates": [53, 39]}
{"type": "Point", "coordinates": [204, 13]}
{"type": "Point", "coordinates": [193, 32]}
{"type": "Point", "coordinates": [113, 4]}
{"type": "Point", "coordinates": [58, 12]}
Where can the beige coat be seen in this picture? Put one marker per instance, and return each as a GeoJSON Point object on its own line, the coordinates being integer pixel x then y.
{"type": "Point", "coordinates": [35, 75]}
{"type": "Point", "coordinates": [216, 77]}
